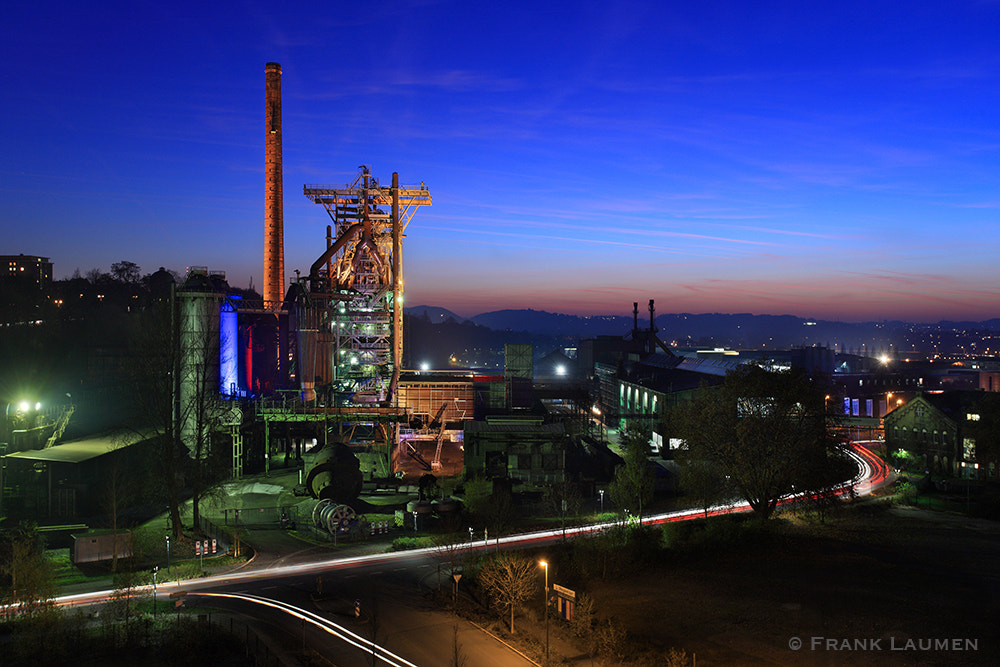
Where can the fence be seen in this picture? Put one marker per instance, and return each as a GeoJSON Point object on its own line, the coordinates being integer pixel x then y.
{"type": "Point", "coordinates": [259, 517]}
{"type": "Point", "coordinates": [215, 532]}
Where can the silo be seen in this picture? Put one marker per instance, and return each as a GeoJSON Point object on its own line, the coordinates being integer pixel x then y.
{"type": "Point", "coordinates": [198, 368]}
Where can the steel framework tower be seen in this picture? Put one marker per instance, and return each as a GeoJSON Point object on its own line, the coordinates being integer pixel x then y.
{"type": "Point", "coordinates": [358, 284]}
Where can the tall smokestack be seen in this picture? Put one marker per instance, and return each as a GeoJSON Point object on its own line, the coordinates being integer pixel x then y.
{"type": "Point", "coordinates": [274, 231]}
{"type": "Point", "coordinates": [652, 327]}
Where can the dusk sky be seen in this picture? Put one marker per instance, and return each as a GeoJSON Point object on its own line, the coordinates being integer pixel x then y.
{"type": "Point", "coordinates": [834, 160]}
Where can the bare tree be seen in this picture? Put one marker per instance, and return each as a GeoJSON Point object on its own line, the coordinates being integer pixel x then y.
{"type": "Point", "coordinates": [151, 380]}
{"type": "Point", "coordinates": [508, 580]}
{"type": "Point", "coordinates": [563, 500]}
{"type": "Point", "coordinates": [124, 601]}
{"type": "Point", "coordinates": [583, 616]}
{"type": "Point", "coordinates": [500, 512]}
{"type": "Point", "coordinates": [450, 553]}
{"type": "Point", "coordinates": [118, 489]}
{"type": "Point", "coordinates": [204, 409]}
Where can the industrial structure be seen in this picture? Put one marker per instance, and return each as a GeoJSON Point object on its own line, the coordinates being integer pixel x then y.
{"type": "Point", "coordinates": [318, 360]}
{"type": "Point", "coordinates": [274, 229]}
{"type": "Point", "coordinates": [349, 312]}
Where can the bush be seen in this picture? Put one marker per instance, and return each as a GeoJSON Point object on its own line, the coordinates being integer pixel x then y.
{"type": "Point", "coordinates": [611, 641]}
{"type": "Point", "coordinates": [906, 493]}
{"type": "Point", "coordinates": [583, 616]}
{"type": "Point", "coordinates": [404, 544]}
{"type": "Point", "coordinates": [714, 531]}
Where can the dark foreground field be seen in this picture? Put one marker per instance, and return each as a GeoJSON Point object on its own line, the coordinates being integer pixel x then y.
{"type": "Point", "coordinates": [873, 586]}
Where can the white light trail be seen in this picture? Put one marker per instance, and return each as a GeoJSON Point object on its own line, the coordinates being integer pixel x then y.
{"type": "Point", "coordinates": [324, 624]}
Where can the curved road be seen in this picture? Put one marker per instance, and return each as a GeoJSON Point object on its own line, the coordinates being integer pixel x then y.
{"type": "Point", "coordinates": [396, 619]}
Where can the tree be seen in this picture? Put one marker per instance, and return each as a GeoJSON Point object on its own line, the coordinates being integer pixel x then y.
{"type": "Point", "coordinates": [767, 430]}
{"type": "Point", "coordinates": [123, 602]}
{"type": "Point", "coordinates": [582, 624]}
{"type": "Point", "coordinates": [508, 579]}
{"type": "Point", "coordinates": [492, 509]}
{"type": "Point", "coordinates": [200, 409]}
{"type": "Point", "coordinates": [118, 488]}
{"type": "Point", "coordinates": [127, 273]}
{"type": "Point", "coordinates": [450, 550]}
{"type": "Point", "coordinates": [151, 388]}
{"type": "Point", "coordinates": [477, 495]}
{"type": "Point", "coordinates": [632, 486]}
{"type": "Point", "coordinates": [28, 581]}
{"type": "Point", "coordinates": [563, 500]}
{"type": "Point", "coordinates": [500, 511]}
{"type": "Point", "coordinates": [704, 482]}
{"type": "Point", "coordinates": [985, 429]}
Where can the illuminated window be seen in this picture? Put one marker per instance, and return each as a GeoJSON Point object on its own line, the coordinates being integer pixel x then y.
{"type": "Point", "coordinates": [972, 417]}
{"type": "Point", "coordinates": [969, 449]}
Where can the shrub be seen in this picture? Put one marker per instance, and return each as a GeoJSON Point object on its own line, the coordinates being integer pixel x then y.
{"type": "Point", "coordinates": [906, 493]}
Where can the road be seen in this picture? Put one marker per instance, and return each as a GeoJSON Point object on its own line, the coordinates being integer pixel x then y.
{"type": "Point", "coordinates": [311, 597]}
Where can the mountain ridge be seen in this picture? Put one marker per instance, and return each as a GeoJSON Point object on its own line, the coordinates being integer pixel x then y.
{"type": "Point", "coordinates": [744, 330]}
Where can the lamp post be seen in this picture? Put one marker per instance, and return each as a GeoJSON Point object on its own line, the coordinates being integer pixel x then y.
{"type": "Point", "coordinates": [414, 521]}
{"type": "Point", "coordinates": [602, 500]}
{"type": "Point", "coordinates": [545, 599]}
{"type": "Point", "coordinates": [155, 569]}
{"type": "Point", "coordinates": [168, 554]}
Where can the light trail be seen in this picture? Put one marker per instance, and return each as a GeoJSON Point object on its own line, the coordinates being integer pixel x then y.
{"type": "Point", "coordinates": [872, 474]}
{"type": "Point", "coordinates": [326, 625]}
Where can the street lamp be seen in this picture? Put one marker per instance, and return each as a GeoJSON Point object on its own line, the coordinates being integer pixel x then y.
{"type": "Point", "coordinates": [414, 521]}
{"type": "Point", "coordinates": [168, 554]}
{"type": "Point", "coordinates": [545, 599]}
{"type": "Point", "coordinates": [601, 491]}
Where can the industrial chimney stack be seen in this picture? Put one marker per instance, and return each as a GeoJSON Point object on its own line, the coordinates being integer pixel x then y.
{"type": "Point", "coordinates": [274, 234]}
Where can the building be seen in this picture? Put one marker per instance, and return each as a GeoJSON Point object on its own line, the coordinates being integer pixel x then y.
{"type": "Point", "coordinates": [646, 390]}
{"type": "Point", "coordinates": [26, 270]}
{"type": "Point", "coordinates": [521, 449]}
{"type": "Point", "coordinates": [940, 428]}
{"type": "Point", "coordinates": [73, 480]}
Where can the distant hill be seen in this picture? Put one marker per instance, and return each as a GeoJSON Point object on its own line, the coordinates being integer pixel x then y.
{"type": "Point", "coordinates": [433, 313]}
{"type": "Point", "coordinates": [739, 330]}
{"type": "Point", "coordinates": [556, 324]}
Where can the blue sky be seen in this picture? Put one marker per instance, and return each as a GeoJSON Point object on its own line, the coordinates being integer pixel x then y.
{"type": "Point", "coordinates": [832, 160]}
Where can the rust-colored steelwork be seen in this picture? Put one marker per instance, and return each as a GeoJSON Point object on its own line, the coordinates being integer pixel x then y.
{"type": "Point", "coordinates": [274, 241]}
{"type": "Point", "coordinates": [357, 282]}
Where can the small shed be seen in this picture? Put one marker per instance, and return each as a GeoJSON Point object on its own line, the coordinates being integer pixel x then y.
{"type": "Point", "coordinates": [100, 545]}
